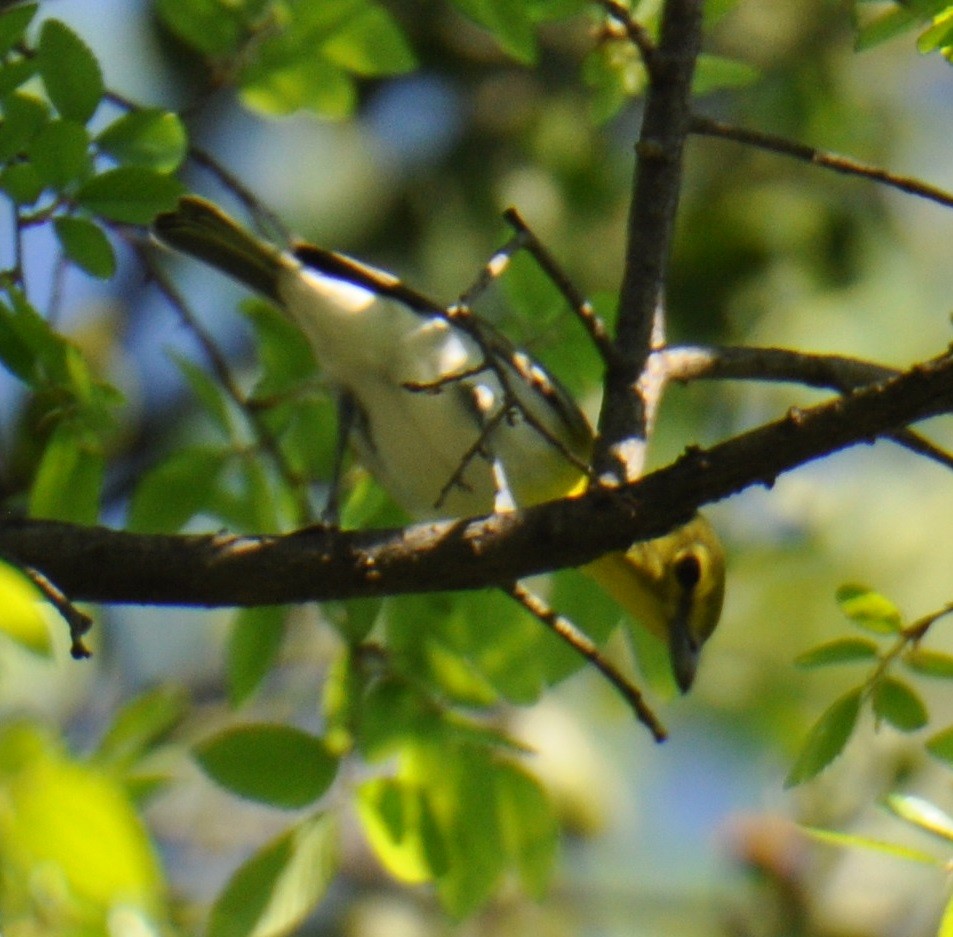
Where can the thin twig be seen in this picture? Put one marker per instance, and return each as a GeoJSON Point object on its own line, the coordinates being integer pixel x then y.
{"type": "Point", "coordinates": [581, 306]}
{"type": "Point", "coordinates": [624, 414]}
{"type": "Point", "coordinates": [835, 372]}
{"type": "Point", "coordinates": [706, 126]}
{"type": "Point", "coordinates": [582, 644]}
{"type": "Point", "coordinates": [634, 30]}
{"type": "Point", "coordinates": [79, 622]}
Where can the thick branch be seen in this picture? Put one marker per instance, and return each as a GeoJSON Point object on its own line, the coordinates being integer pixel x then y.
{"type": "Point", "coordinates": [623, 420]}
{"type": "Point", "coordinates": [103, 565]}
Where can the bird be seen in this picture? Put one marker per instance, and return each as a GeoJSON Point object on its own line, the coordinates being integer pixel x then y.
{"type": "Point", "coordinates": [450, 418]}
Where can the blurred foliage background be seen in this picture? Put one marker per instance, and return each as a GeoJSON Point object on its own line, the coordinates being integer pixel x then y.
{"type": "Point", "coordinates": [693, 837]}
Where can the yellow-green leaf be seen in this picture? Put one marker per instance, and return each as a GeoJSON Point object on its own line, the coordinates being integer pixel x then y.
{"type": "Point", "coordinates": [869, 609]}
{"type": "Point", "coordinates": [826, 739]}
{"type": "Point", "coordinates": [21, 614]}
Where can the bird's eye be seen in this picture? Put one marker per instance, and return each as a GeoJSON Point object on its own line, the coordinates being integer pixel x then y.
{"type": "Point", "coordinates": [688, 571]}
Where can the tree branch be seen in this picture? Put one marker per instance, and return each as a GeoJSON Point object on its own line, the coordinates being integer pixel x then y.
{"type": "Point", "coordinates": [624, 418]}
{"type": "Point", "coordinates": [97, 564]}
{"type": "Point", "coordinates": [846, 165]}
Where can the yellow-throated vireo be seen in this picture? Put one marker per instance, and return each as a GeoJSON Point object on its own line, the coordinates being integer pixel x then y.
{"type": "Point", "coordinates": [453, 421]}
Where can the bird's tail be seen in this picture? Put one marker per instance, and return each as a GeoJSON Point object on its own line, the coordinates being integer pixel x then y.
{"type": "Point", "coordinates": [200, 229]}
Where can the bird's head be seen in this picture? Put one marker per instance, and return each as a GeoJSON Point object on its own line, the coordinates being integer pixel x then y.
{"type": "Point", "coordinates": [673, 586]}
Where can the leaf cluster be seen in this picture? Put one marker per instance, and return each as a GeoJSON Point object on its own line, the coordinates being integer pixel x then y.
{"type": "Point", "coordinates": [891, 699]}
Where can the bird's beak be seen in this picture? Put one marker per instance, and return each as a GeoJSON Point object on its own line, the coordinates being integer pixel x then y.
{"type": "Point", "coordinates": [683, 649]}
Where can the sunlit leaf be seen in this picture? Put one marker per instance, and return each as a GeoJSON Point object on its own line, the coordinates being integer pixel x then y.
{"type": "Point", "coordinates": [899, 705]}
{"type": "Point", "coordinates": [839, 651]}
{"type": "Point", "coordinates": [929, 663]}
{"type": "Point", "coordinates": [394, 816]}
{"type": "Point", "coordinates": [869, 609]}
{"type": "Point", "coordinates": [21, 614]}
{"type": "Point", "coordinates": [939, 34]}
{"type": "Point", "coordinates": [312, 83]}
{"type": "Point", "coordinates": [70, 71]}
{"type": "Point", "coordinates": [370, 43]}
{"type": "Point", "coordinates": [851, 841]}
{"type": "Point", "coordinates": [922, 814]}
{"type": "Point", "coordinates": [77, 821]}
{"type": "Point", "coordinates": [273, 892]}
{"type": "Point", "coordinates": [946, 922]}
{"type": "Point", "coordinates": [826, 739]}
{"type": "Point", "coordinates": [275, 764]}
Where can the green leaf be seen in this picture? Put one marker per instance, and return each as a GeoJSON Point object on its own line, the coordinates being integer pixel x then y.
{"type": "Point", "coordinates": [21, 613]}
{"type": "Point", "coordinates": [370, 43]}
{"type": "Point", "coordinates": [716, 73]}
{"type": "Point", "coordinates": [395, 816]}
{"type": "Point", "coordinates": [940, 745]}
{"type": "Point", "coordinates": [510, 23]}
{"type": "Point", "coordinates": [208, 392]}
{"type": "Point", "coordinates": [826, 739]}
{"type": "Point", "coordinates": [839, 651]}
{"type": "Point", "coordinates": [141, 724]}
{"type": "Point", "coordinates": [929, 663]}
{"type": "Point", "coordinates": [869, 609]}
{"type": "Point", "coordinates": [849, 840]}
{"type": "Point", "coordinates": [355, 618]}
{"type": "Point", "coordinates": [275, 890]}
{"type": "Point", "coordinates": [253, 645]}
{"type": "Point", "coordinates": [22, 183]}
{"type": "Point", "coordinates": [70, 71]}
{"type": "Point", "coordinates": [881, 28]}
{"type": "Point", "coordinates": [16, 73]}
{"type": "Point", "coordinates": [60, 153]}
{"type": "Point", "coordinates": [274, 764]}
{"type": "Point", "coordinates": [13, 24]}
{"type": "Point", "coordinates": [86, 244]}
{"type": "Point", "coordinates": [76, 822]}
{"type": "Point", "coordinates": [529, 827]}
{"type": "Point", "coordinates": [213, 27]}
{"type": "Point", "coordinates": [175, 490]}
{"type": "Point", "coordinates": [312, 83]}
{"type": "Point", "coordinates": [69, 479]}
{"type": "Point", "coordinates": [131, 194]}
{"type": "Point", "coordinates": [18, 350]}
{"type": "Point", "coordinates": [899, 705]}
{"type": "Point", "coordinates": [922, 814]}
{"type": "Point", "coordinates": [946, 921]}
{"type": "Point", "coordinates": [939, 35]}
{"type": "Point", "coordinates": [151, 138]}
{"type": "Point", "coordinates": [23, 116]}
